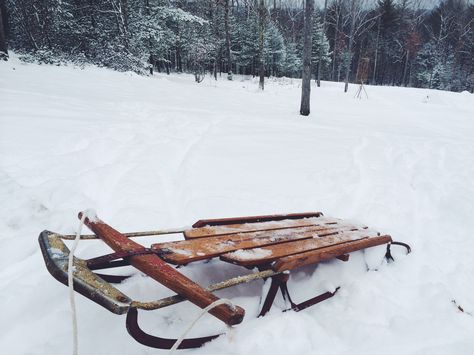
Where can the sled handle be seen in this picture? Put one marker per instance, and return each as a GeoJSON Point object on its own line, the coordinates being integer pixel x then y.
{"type": "Point", "coordinates": [159, 270]}
{"type": "Point", "coordinates": [87, 283]}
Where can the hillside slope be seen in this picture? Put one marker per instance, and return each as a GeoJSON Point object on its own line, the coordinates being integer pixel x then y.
{"type": "Point", "coordinates": [163, 151]}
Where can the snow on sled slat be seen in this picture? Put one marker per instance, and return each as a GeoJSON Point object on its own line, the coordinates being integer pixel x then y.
{"type": "Point", "coordinates": [209, 231]}
{"type": "Point", "coordinates": [184, 252]}
{"type": "Point", "coordinates": [315, 256]}
{"type": "Point", "coordinates": [268, 254]}
{"type": "Point", "coordinates": [254, 219]}
{"type": "Point", "coordinates": [165, 274]}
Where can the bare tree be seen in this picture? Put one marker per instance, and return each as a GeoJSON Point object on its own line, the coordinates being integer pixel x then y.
{"type": "Point", "coordinates": [360, 22]}
{"type": "Point", "coordinates": [374, 73]}
{"type": "Point", "coordinates": [318, 79]}
{"type": "Point", "coordinates": [307, 46]}
{"type": "Point", "coordinates": [3, 37]}
{"type": "Point", "coordinates": [351, 42]}
{"type": "Point", "coordinates": [227, 39]}
{"type": "Point", "coordinates": [337, 19]}
{"type": "Point", "coordinates": [261, 36]}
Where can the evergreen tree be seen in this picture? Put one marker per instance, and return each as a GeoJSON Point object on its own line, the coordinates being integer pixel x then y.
{"type": "Point", "coordinates": [406, 43]}
{"type": "Point", "coordinates": [292, 62]}
{"type": "Point", "coordinates": [320, 46]}
{"type": "Point", "coordinates": [274, 50]}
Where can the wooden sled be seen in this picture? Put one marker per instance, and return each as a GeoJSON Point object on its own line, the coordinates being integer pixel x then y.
{"type": "Point", "coordinates": [274, 245]}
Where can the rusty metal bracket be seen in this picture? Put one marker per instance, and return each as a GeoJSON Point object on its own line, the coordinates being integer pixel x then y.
{"type": "Point", "coordinates": [312, 301]}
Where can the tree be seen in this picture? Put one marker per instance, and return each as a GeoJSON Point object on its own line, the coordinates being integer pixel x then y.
{"type": "Point", "coordinates": [3, 36]}
{"type": "Point", "coordinates": [360, 21]}
{"type": "Point", "coordinates": [306, 84]}
{"type": "Point", "coordinates": [320, 57]}
{"type": "Point", "coordinates": [292, 62]}
{"type": "Point", "coordinates": [323, 44]}
{"type": "Point", "coordinates": [227, 40]}
{"type": "Point", "coordinates": [261, 32]}
{"type": "Point", "coordinates": [337, 18]}
{"type": "Point", "coordinates": [246, 40]}
{"type": "Point", "coordinates": [257, 37]}
{"type": "Point", "coordinates": [274, 49]}
{"type": "Point", "coordinates": [353, 14]}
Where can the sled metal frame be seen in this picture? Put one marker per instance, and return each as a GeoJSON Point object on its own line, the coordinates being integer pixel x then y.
{"type": "Point", "coordinates": [98, 287]}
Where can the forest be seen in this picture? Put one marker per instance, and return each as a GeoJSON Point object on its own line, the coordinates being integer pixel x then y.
{"type": "Point", "coordinates": [394, 42]}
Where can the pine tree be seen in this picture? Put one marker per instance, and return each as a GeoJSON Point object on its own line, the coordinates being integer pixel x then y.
{"type": "Point", "coordinates": [274, 50]}
{"type": "Point", "coordinates": [320, 47]}
{"type": "Point", "coordinates": [292, 62]}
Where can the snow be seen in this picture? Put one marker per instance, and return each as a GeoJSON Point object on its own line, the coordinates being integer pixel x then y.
{"type": "Point", "coordinates": [250, 253]}
{"type": "Point", "coordinates": [163, 151]}
{"type": "Point", "coordinates": [185, 252]}
{"type": "Point", "coordinates": [91, 215]}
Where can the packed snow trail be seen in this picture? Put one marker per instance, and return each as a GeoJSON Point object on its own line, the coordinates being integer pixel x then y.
{"type": "Point", "coordinates": [163, 151]}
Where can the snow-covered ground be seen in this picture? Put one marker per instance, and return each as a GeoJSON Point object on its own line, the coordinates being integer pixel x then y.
{"type": "Point", "coordinates": [164, 151]}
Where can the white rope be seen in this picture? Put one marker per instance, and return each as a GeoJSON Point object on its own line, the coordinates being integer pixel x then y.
{"type": "Point", "coordinates": [70, 282]}
{"type": "Point", "coordinates": [191, 325]}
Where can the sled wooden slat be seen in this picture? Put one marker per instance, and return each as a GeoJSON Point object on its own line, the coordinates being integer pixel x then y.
{"type": "Point", "coordinates": [184, 252]}
{"type": "Point", "coordinates": [254, 219]}
{"type": "Point", "coordinates": [209, 231]}
{"type": "Point", "coordinates": [315, 256]}
{"type": "Point", "coordinates": [267, 254]}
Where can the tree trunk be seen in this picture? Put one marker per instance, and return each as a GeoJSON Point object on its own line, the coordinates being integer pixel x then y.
{"type": "Point", "coordinates": [307, 44]}
{"type": "Point", "coordinates": [376, 53]}
{"type": "Point", "coordinates": [351, 43]}
{"type": "Point", "coordinates": [334, 50]}
{"type": "Point", "coordinates": [405, 69]}
{"type": "Point", "coordinates": [261, 30]}
{"type": "Point", "coordinates": [3, 36]}
{"type": "Point", "coordinates": [215, 69]}
{"type": "Point", "coordinates": [151, 58]}
{"type": "Point", "coordinates": [227, 40]}
{"type": "Point", "coordinates": [321, 42]}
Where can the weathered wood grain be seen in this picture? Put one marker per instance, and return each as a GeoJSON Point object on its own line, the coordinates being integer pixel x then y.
{"type": "Point", "coordinates": [267, 254]}
{"type": "Point", "coordinates": [210, 231]}
{"type": "Point", "coordinates": [315, 256]}
{"type": "Point", "coordinates": [253, 219]}
{"type": "Point", "coordinates": [184, 252]}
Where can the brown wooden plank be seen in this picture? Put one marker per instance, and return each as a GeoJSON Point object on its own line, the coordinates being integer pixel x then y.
{"type": "Point", "coordinates": [315, 256]}
{"type": "Point", "coordinates": [267, 254]}
{"type": "Point", "coordinates": [184, 252]}
{"type": "Point", "coordinates": [253, 219]}
{"type": "Point", "coordinates": [157, 269]}
{"type": "Point", "coordinates": [209, 231]}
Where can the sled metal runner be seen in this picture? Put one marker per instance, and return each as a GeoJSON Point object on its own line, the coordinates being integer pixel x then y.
{"type": "Point", "coordinates": [274, 245]}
